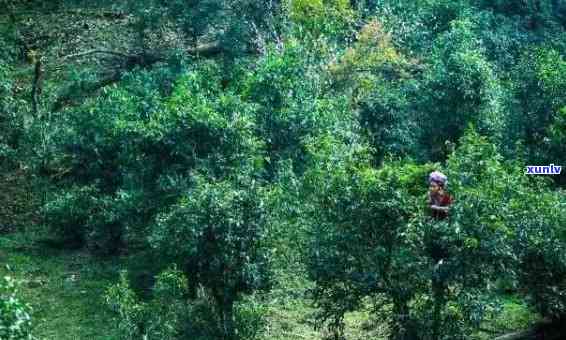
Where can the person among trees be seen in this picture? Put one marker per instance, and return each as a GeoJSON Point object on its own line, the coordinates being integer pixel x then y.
{"type": "Point", "coordinates": [439, 200]}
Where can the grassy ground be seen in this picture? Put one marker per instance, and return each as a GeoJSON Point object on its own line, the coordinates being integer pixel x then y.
{"type": "Point", "coordinates": [66, 290]}
{"type": "Point", "coordinates": [290, 314]}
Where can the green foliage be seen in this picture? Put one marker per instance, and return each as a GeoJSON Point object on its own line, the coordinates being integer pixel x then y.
{"type": "Point", "coordinates": [85, 216]}
{"type": "Point", "coordinates": [170, 315]}
{"type": "Point", "coordinates": [10, 122]}
{"type": "Point", "coordinates": [285, 143]}
{"type": "Point", "coordinates": [250, 316]}
{"type": "Point", "coordinates": [322, 17]}
{"type": "Point", "coordinates": [381, 84]}
{"type": "Point", "coordinates": [68, 214]}
{"type": "Point", "coordinates": [557, 131]}
{"type": "Point", "coordinates": [417, 23]}
{"type": "Point", "coordinates": [474, 247]}
{"type": "Point", "coordinates": [238, 26]}
{"type": "Point", "coordinates": [9, 37]}
{"type": "Point", "coordinates": [461, 87]}
{"type": "Point", "coordinates": [356, 248]}
{"type": "Point", "coordinates": [15, 319]}
{"type": "Point", "coordinates": [516, 314]}
{"type": "Point", "coordinates": [129, 154]}
{"type": "Point", "coordinates": [540, 247]}
{"type": "Point", "coordinates": [535, 13]}
{"type": "Point", "coordinates": [130, 312]}
{"type": "Point", "coordinates": [540, 95]}
{"type": "Point", "coordinates": [371, 238]}
{"type": "Point", "coordinates": [289, 89]}
{"type": "Point", "coordinates": [216, 233]}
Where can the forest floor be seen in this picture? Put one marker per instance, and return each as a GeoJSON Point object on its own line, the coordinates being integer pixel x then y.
{"type": "Point", "coordinates": [66, 289]}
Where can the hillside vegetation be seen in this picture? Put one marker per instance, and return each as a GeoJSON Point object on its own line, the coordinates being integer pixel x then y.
{"type": "Point", "coordinates": [240, 169]}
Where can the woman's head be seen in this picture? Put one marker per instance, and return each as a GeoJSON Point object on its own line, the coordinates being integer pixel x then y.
{"type": "Point", "coordinates": [437, 181]}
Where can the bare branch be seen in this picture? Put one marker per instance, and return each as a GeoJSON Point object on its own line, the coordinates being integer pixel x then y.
{"type": "Point", "coordinates": [65, 99]}
{"type": "Point", "coordinates": [207, 50]}
{"type": "Point", "coordinates": [83, 54]}
{"type": "Point", "coordinates": [129, 62]}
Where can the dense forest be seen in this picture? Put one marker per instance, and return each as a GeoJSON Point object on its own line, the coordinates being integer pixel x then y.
{"type": "Point", "coordinates": [259, 169]}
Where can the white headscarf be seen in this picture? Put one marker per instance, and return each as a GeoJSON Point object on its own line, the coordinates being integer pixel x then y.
{"type": "Point", "coordinates": [438, 177]}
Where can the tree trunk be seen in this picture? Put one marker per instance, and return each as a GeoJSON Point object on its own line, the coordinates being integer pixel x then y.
{"type": "Point", "coordinates": [403, 330]}
{"type": "Point", "coordinates": [438, 295]}
{"type": "Point", "coordinates": [225, 308]}
{"type": "Point", "coordinates": [36, 86]}
{"type": "Point", "coordinates": [228, 327]}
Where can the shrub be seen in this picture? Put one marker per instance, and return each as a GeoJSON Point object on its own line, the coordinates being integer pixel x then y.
{"type": "Point", "coordinates": [460, 87]}
{"type": "Point", "coordinates": [172, 313]}
{"type": "Point", "coordinates": [163, 317]}
{"type": "Point", "coordinates": [128, 155]}
{"type": "Point", "coordinates": [318, 17]}
{"type": "Point", "coordinates": [540, 94]}
{"type": "Point", "coordinates": [216, 233]}
{"type": "Point", "coordinates": [68, 212]}
{"type": "Point", "coordinates": [540, 247]}
{"type": "Point", "coordinates": [11, 122]}
{"type": "Point", "coordinates": [377, 76]}
{"type": "Point", "coordinates": [288, 90]}
{"type": "Point", "coordinates": [15, 319]}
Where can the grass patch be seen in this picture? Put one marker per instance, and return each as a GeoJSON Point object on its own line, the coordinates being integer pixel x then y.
{"type": "Point", "coordinates": [65, 288]}
{"type": "Point", "coordinates": [514, 316]}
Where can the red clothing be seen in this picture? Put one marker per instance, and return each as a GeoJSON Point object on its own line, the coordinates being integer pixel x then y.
{"type": "Point", "coordinates": [441, 200]}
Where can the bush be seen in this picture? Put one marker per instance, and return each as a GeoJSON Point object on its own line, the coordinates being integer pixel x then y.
{"type": "Point", "coordinates": [540, 246]}
{"type": "Point", "coordinates": [288, 90]}
{"type": "Point", "coordinates": [67, 213]}
{"type": "Point", "coordinates": [15, 319]}
{"type": "Point", "coordinates": [165, 316]}
{"type": "Point", "coordinates": [216, 233]}
{"type": "Point", "coordinates": [377, 76]}
{"type": "Point", "coordinates": [318, 17]}
{"type": "Point", "coordinates": [540, 95]}
{"type": "Point", "coordinates": [356, 247]}
{"type": "Point", "coordinates": [460, 87]}
{"type": "Point", "coordinates": [171, 313]}
{"type": "Point", "coordinates": [128, 155]}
